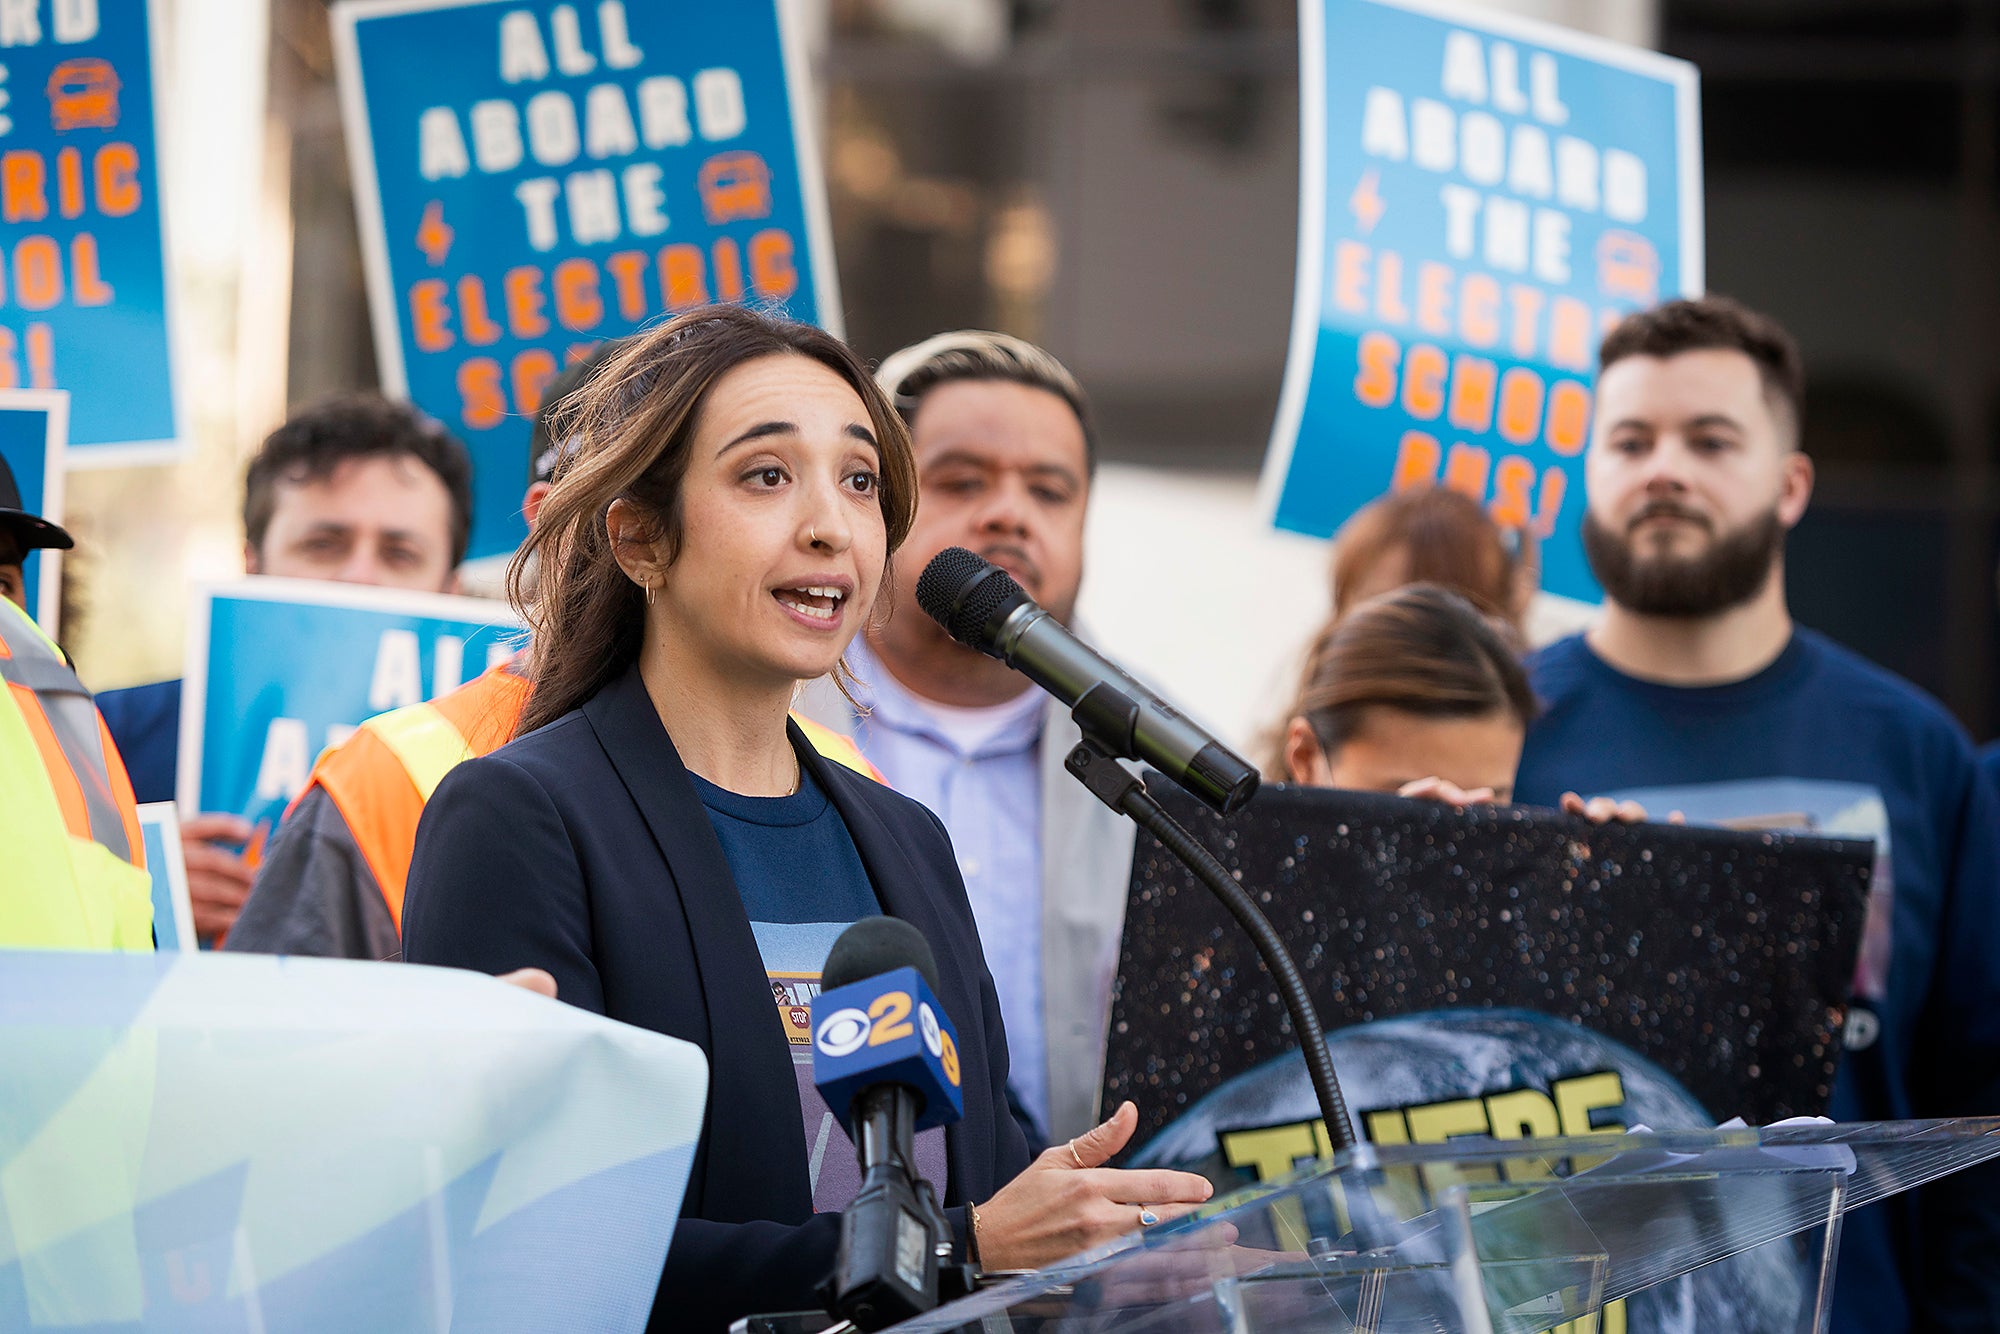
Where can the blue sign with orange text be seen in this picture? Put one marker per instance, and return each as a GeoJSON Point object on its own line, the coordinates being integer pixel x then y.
{"type": "Point", "coordinates": [1481, 197]}
{"type": "Point", "coordinates": [32, 425]}
{"type": "Point", "coordinates": [535, 177]}
{"type": "Point", "coordinates": [280, 669]}
{"type": "Point", "coordinates": [84, 301]}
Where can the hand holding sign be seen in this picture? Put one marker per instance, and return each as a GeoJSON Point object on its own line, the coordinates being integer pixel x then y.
{"type": "Point", "coordinates": [1446, 791]}
{"type": "Point", "coordinates": [1603, 810]}
{"type": "Point", "coordinates": [218, 879]}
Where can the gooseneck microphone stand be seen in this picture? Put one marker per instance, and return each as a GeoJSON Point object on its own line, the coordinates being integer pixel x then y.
{"type": "Point", "coordinates": [1108, 717]}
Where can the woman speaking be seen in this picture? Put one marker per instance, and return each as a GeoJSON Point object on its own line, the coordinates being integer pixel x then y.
{"type": "Point", "coordinates": [669, 848]}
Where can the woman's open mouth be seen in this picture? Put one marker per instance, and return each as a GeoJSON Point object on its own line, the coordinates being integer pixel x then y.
{"type": "Point", "coordinates": [820, 602]}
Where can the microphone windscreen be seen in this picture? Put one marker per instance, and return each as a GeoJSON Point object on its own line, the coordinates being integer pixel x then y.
{"type": "Point", "coordinates": [961, 591]}
{"type": "Point", "coordinates": [876, 945]}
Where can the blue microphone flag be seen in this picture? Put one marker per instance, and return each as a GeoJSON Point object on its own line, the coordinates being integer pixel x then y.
{"type": "Point", "coordinates": [887, 1029]}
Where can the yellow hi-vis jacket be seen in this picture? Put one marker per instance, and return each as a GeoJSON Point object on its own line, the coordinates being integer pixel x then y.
{"type": "Point", "coordinates": [73, 872]}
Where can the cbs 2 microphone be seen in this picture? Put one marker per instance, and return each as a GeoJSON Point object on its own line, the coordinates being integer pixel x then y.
{"type": "Point", "coordinates": [885, 1059]}
{"type": "Point", "coordinates": [886, 1029]}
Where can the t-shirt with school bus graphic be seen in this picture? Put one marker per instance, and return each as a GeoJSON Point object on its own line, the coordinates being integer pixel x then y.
{"type": "Point", "coordinates": [802, 884]}
{"type": "Point", "coordinates": [794, 953]}
{"type": "Point", "coordinates": [1804, 806]}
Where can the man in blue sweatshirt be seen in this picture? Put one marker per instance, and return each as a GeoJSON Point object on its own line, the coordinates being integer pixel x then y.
{"type": "Point", "coordinates": [1695, 692]}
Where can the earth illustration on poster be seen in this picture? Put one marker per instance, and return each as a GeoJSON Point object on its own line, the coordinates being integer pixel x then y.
{"type": "Point", "coordinates": [1496, 971]}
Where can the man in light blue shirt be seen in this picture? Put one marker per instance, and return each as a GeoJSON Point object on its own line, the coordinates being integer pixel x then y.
{"type": "Point", "coordinates": [1004, 458]}
{"type": "Point", "coordinates": [975, 767]}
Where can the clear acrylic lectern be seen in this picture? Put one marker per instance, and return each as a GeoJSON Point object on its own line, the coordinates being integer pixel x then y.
{"type": "Point", "coordinates": [1698, 1230]}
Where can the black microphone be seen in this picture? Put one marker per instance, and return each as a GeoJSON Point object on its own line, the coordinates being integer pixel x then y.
{"type": "Point", "coordinates": [878, 1060]}
{"type": "Point", "coordinates": [981, 606]}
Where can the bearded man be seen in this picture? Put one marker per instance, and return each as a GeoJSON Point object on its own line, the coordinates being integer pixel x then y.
{"type": "Point", "coordinates": [1695, 692]}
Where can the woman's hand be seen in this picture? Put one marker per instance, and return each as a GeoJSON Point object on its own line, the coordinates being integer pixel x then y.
{"type": "Point", "coordinates": [1603, 810]}
{"type": "Point", "coordinates": [1068, 1201]}
{"type": "Point", "coordinates": [531, 979]}
{"type": "Point", "coordinates": [1451, 794]}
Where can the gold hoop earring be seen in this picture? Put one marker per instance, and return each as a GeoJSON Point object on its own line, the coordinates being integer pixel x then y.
{"type": "Point", "coordinates": [649, 592]}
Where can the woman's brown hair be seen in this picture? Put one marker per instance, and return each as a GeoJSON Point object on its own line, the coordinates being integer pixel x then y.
{"type": "Point", "coordinates": [1449, 539]}
{"type": "Point", "coordinates": [633, 425]}
{"type": "Point", "coordinates": [1421, 649]}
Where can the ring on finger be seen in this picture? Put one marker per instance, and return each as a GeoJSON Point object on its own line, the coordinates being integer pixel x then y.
{"type": "Point", "coordinates": [1147, 1217]}
{"type": "Point", "coordinates": [1074, 1156]}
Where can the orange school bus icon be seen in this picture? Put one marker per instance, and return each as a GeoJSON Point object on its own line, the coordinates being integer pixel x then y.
{"type": "Point", "coordinates": [83, 94]}
{"type": "Point", "coordinates": [735, 186]}
{"type": "Point", "coordinates": [1628, 266]}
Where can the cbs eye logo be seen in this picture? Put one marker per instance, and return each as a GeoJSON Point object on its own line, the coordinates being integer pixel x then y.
{"type": "Point", "coordinates": [938, 1043]}
{"type": "Point", "coordinates": [842, 1033]}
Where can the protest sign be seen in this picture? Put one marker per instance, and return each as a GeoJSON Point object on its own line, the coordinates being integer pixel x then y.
{"type": "Point", "coordinates": [1720, 959]}
{"type": "Point", "coordinates": [204, 1141]}
{"type": "Point", "coordinates": [173, 911]}
{"type": "Point", "coordinates": [280, 669]}
{"type": "Point", "coordinates": [1492, 971]}
{"type": "Point", "coordinates": [534, 177]}
{"type": "Point", "coordinates": [33, 432]}
{"type": "Point", "coordinates": [1481, 196]}
{"type": "Point", "coordinates": [86, 304]}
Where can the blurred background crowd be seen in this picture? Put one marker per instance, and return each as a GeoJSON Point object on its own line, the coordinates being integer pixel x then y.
{"type": "Point", "coordinates": [1118, 181]}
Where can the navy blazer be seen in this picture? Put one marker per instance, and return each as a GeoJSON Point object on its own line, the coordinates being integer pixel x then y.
{"type": "Point", "coordinates": [582, 848]}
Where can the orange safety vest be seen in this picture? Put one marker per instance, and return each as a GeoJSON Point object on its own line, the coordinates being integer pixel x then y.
{"type": "Point", "coordinates": [380, 778]}
{"type": "Point", "coordinates": [92, 788]}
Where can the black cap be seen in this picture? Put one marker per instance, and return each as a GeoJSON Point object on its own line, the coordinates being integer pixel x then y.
{"type": "Point", "coordinates": [544, 453]}
{"type": "Point", "coordinates": [29, 530]}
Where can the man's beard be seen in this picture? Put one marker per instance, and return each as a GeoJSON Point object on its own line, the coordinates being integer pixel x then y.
{"type": "Point", "coordinates": [1731, 572]}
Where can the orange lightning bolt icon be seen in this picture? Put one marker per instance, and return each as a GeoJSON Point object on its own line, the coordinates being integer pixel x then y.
{"type": "Point", "coordinates": [433, 236]}
{"type": "Point", "coordinates": [1366, 201]}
